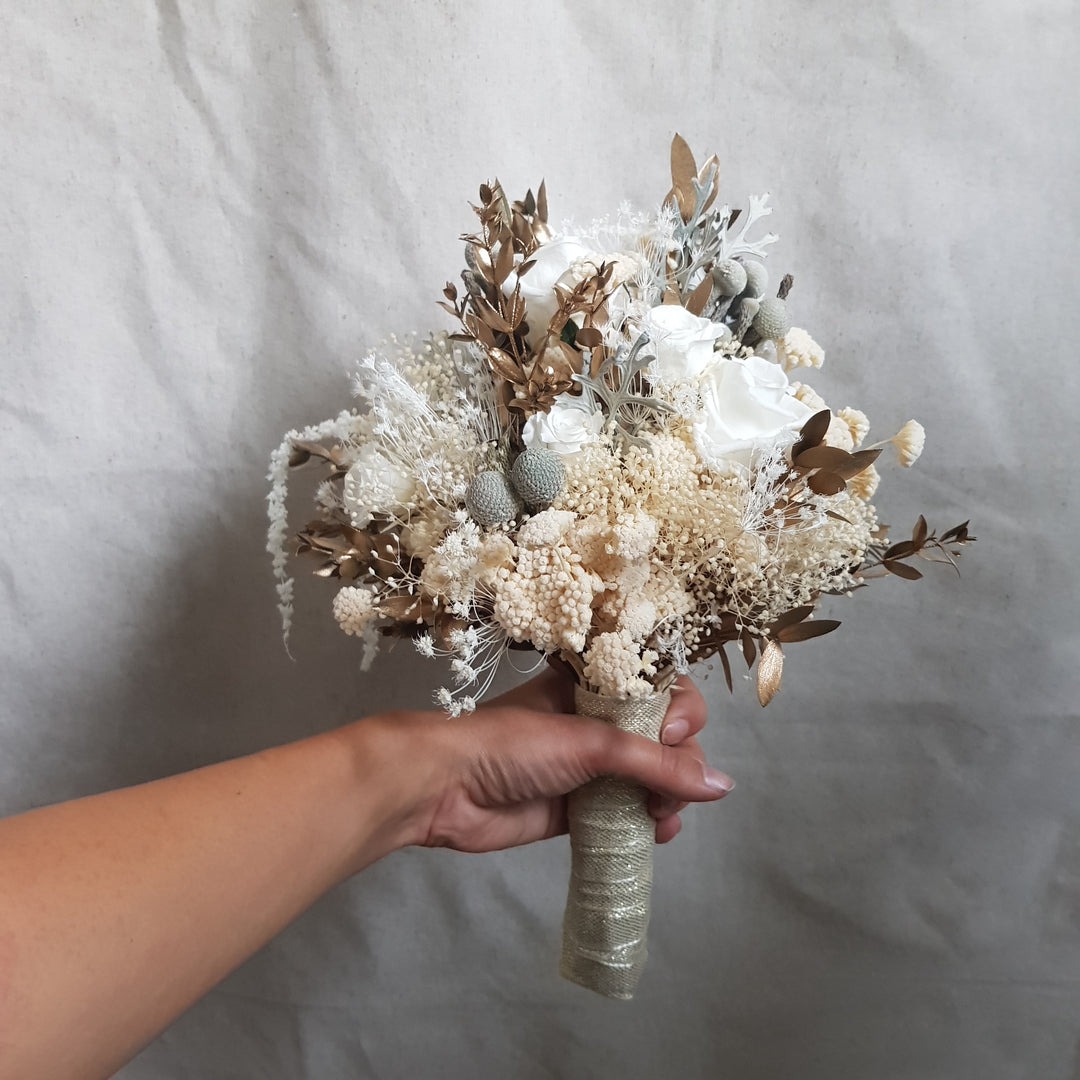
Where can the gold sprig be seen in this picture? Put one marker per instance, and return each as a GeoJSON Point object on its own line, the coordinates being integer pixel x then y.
{"type": "Point", "coordinates": [922, 545]}
{"type": "Point", "coordinates": [530, 376]}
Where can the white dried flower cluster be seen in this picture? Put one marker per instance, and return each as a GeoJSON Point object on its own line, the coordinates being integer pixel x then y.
{"type": "Point", "coordinates": [808, 396]}
{"type": "Point", "coordinates": [626, 266]}
{"type": "Point", "coordinates": [547, 598]}
{"type": "Point", "coordinates": [354, 609]}
{"type": "Point", "coordinates": [864, 484]}
{"type": "Point", "coordinates": [431, 415]}
{"type": "Point", "coordinates": [464, 561]}
{"type": "Point", "coordinates": [839, 434]}
{"type": "Point", "coordinates": [858, 424]}
{"type": "Point", "coordinates": [474, 652]}
{"type": "Point", "coordinates": [615, 664]}
{"type": "Point", "coordinates": [909, 442]}
{"type": "Point", "coordinates": [798, 349]}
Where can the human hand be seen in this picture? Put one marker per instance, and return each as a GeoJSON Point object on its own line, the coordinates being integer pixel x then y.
{"type": "Point", "coordinates": [499, 777]}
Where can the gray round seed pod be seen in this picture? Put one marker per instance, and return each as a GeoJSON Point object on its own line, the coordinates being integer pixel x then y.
{"type": "Point", "coordinates": [772, 320]}
{"type": "Point", "coordinates": [757, 280]}
{"type": "Point", "coordinates": [491, 499]}
{"type": "Point", "coordinates": [538, 475]}
{"type": "Point", "coordinates": [729, 277]}
{"type": "Point", "coordinates": [747, 310]}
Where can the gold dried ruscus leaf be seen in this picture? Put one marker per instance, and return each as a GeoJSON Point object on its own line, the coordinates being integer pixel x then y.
{"type": "Point", "coordinates": [770, 668]}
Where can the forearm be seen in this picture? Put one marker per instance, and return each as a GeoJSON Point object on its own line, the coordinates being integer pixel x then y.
{"type": "Point", "coordinates": [119, 910]}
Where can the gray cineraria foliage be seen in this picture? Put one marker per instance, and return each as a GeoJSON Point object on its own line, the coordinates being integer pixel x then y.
{"type": "Point", "coordinates": [618, 387]}
{"type": "Point", "coordinates": [709, 236]}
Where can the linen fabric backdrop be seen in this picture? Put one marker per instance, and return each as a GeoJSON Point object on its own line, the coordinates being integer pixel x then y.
{"type": "Point", "coordinates": [209, 212]}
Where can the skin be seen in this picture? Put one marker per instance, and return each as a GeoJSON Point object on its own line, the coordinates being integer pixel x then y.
{"type": "Point", "coordinates": [191, 874]}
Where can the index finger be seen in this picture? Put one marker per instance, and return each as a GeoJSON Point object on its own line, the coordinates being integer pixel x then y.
{"type": "Point", "coordinates": [550, 691]}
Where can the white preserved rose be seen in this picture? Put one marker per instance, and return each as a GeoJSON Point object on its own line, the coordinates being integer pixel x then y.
{"type": "Point", "coordinates": [746, 403]}
{"type": "Point", "coordinates": [550, 262]}
{"type": "Point", "coordinates": [683, 342]}
{"type": "Point", "coordinates": [565, 428]}
{"type": "Point", "coordinates": [375, 484]}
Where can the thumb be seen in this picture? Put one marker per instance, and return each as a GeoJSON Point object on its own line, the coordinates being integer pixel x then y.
{"type": "Point", "coordinates": [672, 771]}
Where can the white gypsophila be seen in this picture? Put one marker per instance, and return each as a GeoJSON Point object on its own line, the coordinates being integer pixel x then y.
{"type": "Point", "coordinates": [417, 434]}
{"type": "Point", "coordinates": [683, 342]}
{"type": "Point", "coordinates": [746, 404]}
{"type": "Point", "coordinates": [565, 428]}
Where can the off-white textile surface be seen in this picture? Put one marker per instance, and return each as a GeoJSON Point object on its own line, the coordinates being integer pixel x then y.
{"type": "Point", "coordinates": [208, 211]}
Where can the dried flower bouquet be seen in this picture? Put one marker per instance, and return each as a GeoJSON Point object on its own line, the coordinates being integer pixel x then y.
{"type": "Point", "coordinates": [607, 461]}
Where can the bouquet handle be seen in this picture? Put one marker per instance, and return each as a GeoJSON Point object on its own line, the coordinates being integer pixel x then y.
{"type": "Point", "coordinates": [611, 844]}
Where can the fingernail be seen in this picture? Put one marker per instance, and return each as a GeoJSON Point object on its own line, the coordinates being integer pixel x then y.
{"type": "Point", "coordinates": [718, 781]}
{"type": "Point", "coordinates": [674, 732]}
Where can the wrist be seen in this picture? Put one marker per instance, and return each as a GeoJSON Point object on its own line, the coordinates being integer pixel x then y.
{"type": "Point", "coordinates": [394, 779]}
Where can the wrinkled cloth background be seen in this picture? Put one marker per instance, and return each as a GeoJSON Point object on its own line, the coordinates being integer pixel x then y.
{"type": "Point", "coordinates": [209, 211]}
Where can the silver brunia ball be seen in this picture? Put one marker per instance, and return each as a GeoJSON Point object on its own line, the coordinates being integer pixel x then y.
{"type": "Point", "coordinates": [491, 500]}
{"type": "Point", "coordinates": [538, 475]}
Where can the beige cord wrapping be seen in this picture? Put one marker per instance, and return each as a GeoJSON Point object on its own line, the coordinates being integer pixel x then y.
{"type": "Point", "coordinates": [611, 844]}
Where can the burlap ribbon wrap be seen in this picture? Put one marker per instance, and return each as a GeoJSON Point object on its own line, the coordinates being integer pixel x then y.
{"type": "Point", "coordinates": [611, 844]}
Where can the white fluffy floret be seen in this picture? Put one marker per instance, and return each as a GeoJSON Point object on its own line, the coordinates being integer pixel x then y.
{"type": "Point", "coordinates": [798, 349]}
{"type": "Point", "coordinates": [546, 598]}
{"type": "Point", "coordinates": [909, 442]}
{"type": "Point", "coordinates": [857, 423]}
{"type": "Point", "coordinates": [864, 484]}
{"type": "Point", "coordinates": [809, 396]}
{"type": "Point", "coordinates": [614, 664]}
{"type": "Point", "coordinates": [839, 434]}
{"type": "Point", "coordinates": [545, 529]}
{"type": "Point", "coordinates": [354, 609]}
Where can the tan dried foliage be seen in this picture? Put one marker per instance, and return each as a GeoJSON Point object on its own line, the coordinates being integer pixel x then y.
{"type": "Point", "coordinates": [495, 317]}
{"type": "Point", "coordinates": [923, 544]}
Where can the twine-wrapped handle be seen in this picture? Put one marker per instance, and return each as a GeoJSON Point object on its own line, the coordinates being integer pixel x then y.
{"type": "Point", "coordinates": [611, 844]}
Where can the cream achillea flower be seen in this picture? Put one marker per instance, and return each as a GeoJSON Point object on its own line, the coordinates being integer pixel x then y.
{"type": "Point", "coordinates": [839, 434]}
{"type": "Point", "coordinates": [857, 424]}
{"type": "Point", "coordinates": [909, 442]}
{"type": "Point", "coordinates": [808, 396]}
{"type": "Point", "coordinates": [546, 598]}
{"type": "Point", "coordinates": [798, 349]}
{"type": "Point", "coordinates": [615, 664]}
{"type": "Point", "coordinates": [354, 609]}
{"type": "Point", "coordinates": [865, 484]}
